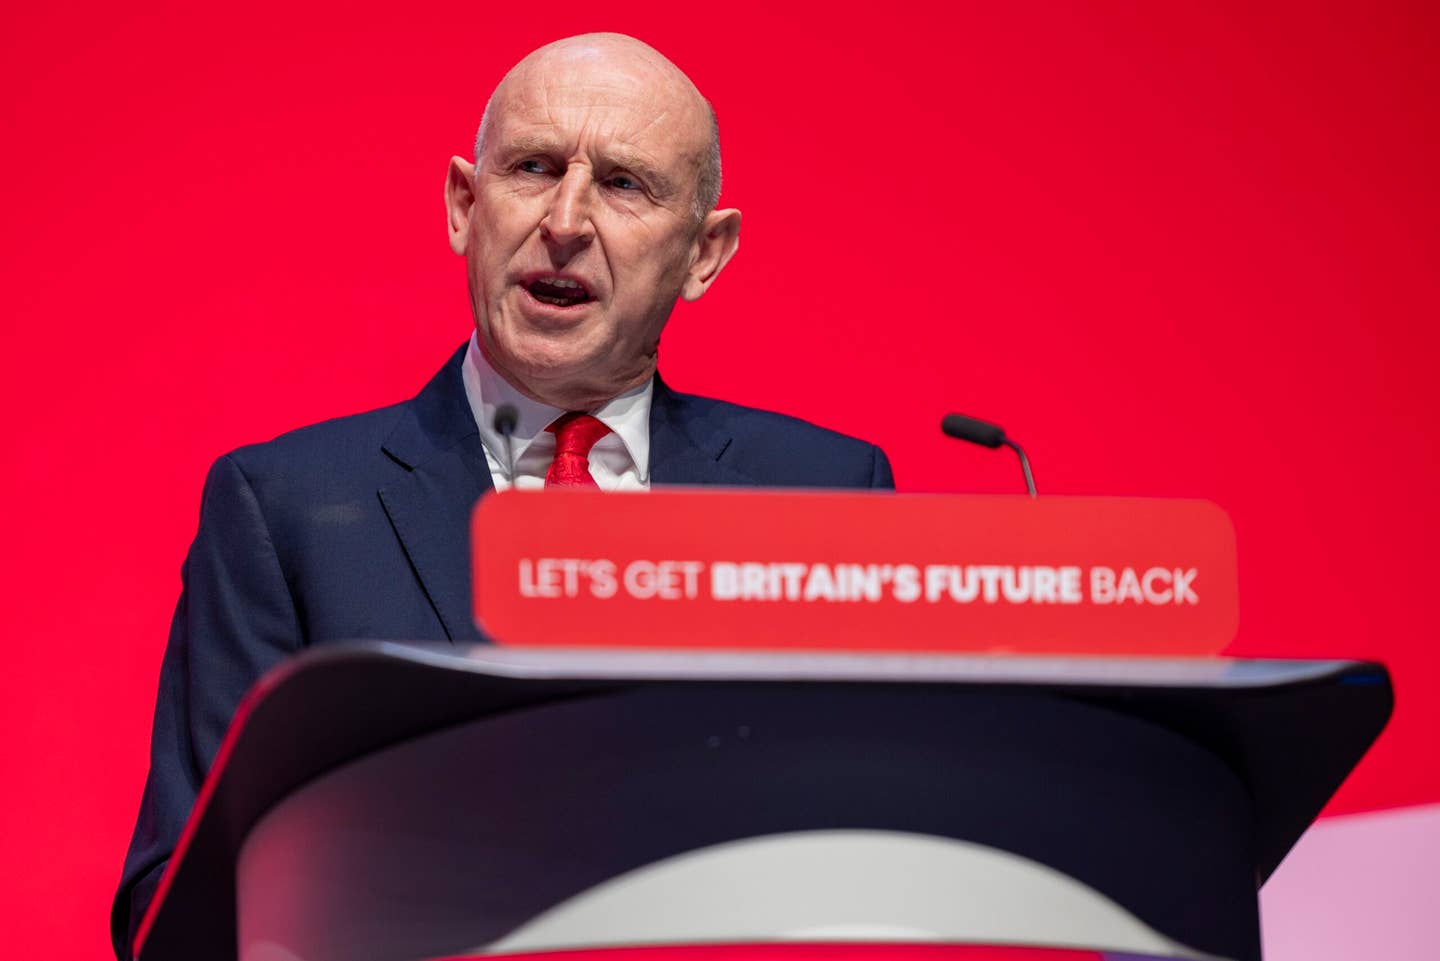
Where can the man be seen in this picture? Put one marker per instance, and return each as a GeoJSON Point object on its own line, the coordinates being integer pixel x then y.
{"type": "Point", "coordinates": [589, 211]}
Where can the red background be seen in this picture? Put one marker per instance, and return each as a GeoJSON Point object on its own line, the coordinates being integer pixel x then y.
{"type": "Point", "coordinates": [1176, 249]}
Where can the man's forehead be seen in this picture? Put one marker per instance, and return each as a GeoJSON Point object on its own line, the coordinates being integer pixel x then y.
{"type": "Point", "coordinates": [591, 123]}
{"type": "Point", "coordinates": [626, 109]}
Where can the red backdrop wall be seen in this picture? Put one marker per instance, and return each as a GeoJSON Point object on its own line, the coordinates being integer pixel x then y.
{"type": "Point", "coordinates": [1181, 249]}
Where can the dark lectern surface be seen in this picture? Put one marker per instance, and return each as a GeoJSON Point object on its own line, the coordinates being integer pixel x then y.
{"type": "Point", "coordinates": [1289, 731]}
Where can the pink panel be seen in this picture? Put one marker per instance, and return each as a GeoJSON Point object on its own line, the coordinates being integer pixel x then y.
{"type": "Point", "coordinates": [1358, 886]}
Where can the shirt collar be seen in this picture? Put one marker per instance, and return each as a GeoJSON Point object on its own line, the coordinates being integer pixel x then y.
{"type": "Point", "coordinates": [627, 415]}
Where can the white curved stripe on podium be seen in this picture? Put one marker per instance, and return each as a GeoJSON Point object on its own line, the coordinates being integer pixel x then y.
{"type": "Point", "coordinates": [792, 887]}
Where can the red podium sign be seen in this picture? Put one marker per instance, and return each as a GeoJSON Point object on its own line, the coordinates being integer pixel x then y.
{"type": "Point", "coordinates": [854, 571]}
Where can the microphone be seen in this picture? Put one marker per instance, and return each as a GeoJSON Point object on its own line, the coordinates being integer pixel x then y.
{"type": "Point", "coordinates": [507, 418]}
{"type": "Point", "coordinates": [986, 434]}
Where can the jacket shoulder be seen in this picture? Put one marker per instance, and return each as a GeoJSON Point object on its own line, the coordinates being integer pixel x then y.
{"type": "Point", "coordinates": [775, 449]}
{"type": "Point", "coordinates": [755, 420]}
{"type": "Point", "coordinates": [330, 444]}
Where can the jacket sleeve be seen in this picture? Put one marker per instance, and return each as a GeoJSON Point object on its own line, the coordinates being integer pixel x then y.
{"type": "Point", "coordinates": [235, 619]}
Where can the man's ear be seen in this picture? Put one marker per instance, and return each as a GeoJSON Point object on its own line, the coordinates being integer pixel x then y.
{"type": "Point", "coordinates": [459, 201]}
{"type": "Point", "coordinates": [719, 239]}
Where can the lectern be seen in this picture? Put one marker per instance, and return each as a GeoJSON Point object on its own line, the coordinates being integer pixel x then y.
{"type": "Point", "coordinates": [383, 802]}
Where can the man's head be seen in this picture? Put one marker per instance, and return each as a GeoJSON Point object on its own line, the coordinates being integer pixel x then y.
{"type": "Point", "coordinates": [586, 215]}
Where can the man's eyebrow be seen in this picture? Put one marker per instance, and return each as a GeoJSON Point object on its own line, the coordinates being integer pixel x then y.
{"type": "Point", "coordinates": [529, 143]}
{"type": "Point", "coordinates": [615, 156]}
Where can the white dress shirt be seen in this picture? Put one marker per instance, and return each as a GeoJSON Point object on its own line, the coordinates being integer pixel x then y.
{"type": "Point", "coordinates": [619, 461]}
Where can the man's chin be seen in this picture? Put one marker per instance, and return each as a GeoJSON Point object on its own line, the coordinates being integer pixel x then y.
{"type": "Point", "coordinates": [546, 372]}
{"type": "Point", "coordinates": [573, 367]}
{"type": "Point", "coordinates": [582, 387]}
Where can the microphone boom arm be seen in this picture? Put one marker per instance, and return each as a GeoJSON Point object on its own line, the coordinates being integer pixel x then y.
{"type": "Point", "coordinates": [1024, 464]}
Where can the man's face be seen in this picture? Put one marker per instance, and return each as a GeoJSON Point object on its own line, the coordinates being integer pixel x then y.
{"type": "Point", "coordinates": [580, 230]}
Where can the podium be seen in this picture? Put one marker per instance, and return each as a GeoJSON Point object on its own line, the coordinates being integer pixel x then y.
{"type": "Point", "coordinates": [380, 802]}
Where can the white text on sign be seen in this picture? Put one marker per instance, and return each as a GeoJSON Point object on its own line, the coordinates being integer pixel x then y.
{"type": "Point", "coordinates": [602, 578]}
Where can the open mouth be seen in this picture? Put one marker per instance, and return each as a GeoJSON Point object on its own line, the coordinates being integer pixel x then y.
{"type": "Point", "coordinates": [558, 291]}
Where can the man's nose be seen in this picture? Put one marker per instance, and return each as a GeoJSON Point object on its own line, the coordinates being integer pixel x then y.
{"type": "Point", "coordinates": [567, 225]}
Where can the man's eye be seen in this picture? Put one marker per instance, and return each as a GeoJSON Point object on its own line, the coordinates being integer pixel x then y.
{"type": "Point", "coordinates": [531, 166]}
{"type": "Point", "coordinates": [622, 182]}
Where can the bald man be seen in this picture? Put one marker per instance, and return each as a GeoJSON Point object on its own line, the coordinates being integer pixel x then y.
{"type": "Point", "coordinates": [588, 212]}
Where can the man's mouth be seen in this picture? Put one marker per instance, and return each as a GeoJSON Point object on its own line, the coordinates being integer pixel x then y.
{"type": "Point", "coordinates": [558, 291]}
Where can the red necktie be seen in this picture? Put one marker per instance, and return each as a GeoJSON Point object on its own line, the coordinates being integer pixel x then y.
{"type": "Point", "coordinates": [575, 434]}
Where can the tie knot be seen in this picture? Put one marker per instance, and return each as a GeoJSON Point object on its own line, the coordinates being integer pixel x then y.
{"type": "Point", "coordinates": [575, 433]}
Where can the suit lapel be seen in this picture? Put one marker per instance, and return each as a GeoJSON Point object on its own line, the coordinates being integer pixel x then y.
{"type": "Point", "coordinates": [686, 446]}
{"type": "Point", "coordinates": [438, 443]}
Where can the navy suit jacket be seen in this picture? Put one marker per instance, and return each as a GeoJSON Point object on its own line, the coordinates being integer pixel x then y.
{"type": "Point", "coordinates": [358, 528]}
